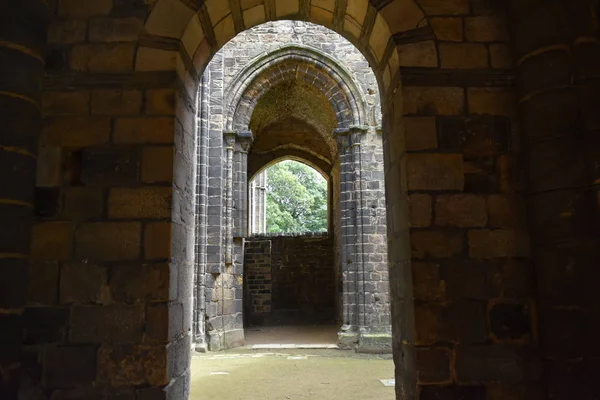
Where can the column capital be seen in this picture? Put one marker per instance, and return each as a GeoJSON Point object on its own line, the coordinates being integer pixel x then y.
{"type": "Point", "coordinates": [229, 138]}
{"type": "Point", "coordinates": [244, 139]}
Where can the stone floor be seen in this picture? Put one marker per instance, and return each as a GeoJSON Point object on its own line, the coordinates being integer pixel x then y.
{"type": "Point", "coordinates": [319, 374]}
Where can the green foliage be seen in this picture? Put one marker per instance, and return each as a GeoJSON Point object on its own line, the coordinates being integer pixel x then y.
{"type": "Point", "coordinates": [296, 199]}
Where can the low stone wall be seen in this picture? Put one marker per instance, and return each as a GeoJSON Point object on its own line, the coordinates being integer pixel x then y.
{"type": "Point", "coordinates": [290, 279]}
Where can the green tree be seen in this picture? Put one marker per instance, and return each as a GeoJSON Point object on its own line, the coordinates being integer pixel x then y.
{"type": "Point", "coordinates": [296, 199]}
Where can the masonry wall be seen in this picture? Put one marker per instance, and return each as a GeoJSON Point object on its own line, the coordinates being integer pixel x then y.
{"type": "Point", "coordinates": [455, 60]}
{"type": "Point", "coordinates": [291, 279]}
{"type": "Point", "coordinates": [113, 220]}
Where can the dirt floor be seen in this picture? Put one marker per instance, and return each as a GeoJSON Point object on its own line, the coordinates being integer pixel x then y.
{"type": "Point", "coordinates": [291, 374]}
{"type": "Point", "coordinates": [292, 334]}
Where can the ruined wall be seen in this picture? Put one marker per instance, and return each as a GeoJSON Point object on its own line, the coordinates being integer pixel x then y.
{"type": "Point", "coordinates": [258, 285]}
{"type": "Point", "coordinates": [472, 276]}
{"type": "Point", "coordinates": [290, 279]}
{"type": "Point", "coordinates": [113, 220]}
{"type": "Point", "coordinates": [455, 62]}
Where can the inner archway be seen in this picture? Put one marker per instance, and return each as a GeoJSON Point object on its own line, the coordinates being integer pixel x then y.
{"type": "Point", "coordinates": [294, 101]}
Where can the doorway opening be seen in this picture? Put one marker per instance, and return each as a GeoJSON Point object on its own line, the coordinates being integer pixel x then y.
{"type": "Point", "coordinates": [289, 197]}
{"type": "Point", "coordinates": [289, 268]}
{"type": "Point", "coordinates": [276, 94]}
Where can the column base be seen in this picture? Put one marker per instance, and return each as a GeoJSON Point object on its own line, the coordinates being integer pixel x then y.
{"type": "Point", "coordinates": [375, 343]}
{"type": "Point", "coordinates": [365, 342]}
{"type": "Point", "coordinates": [218, 341]}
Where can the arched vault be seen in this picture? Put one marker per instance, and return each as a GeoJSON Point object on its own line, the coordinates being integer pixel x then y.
{"type": "Point", "coordinates": [298, 63]}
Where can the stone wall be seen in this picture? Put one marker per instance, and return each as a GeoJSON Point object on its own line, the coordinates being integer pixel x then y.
{"type": "Point", "coordinates": [291, 279]}
{"type": "Point", "coordinates": [258, 283]}
{"type": "Point", "coordinates": [437, 62]}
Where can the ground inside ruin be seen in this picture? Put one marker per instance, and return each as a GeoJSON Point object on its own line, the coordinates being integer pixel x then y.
{"type": "Point", "coordinates": [291, 362]}
{"type": "Point", "coordinates": [291, 374]}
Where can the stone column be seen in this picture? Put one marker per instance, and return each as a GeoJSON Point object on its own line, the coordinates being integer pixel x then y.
{"type": "Point", "coordinates": [229, 141]}
{"type": "Point", "coordinates": [242, 145]}
{"type": "Point", "coordinates": [367, 323]}
{"type": "Point", "coordinates": [558, 59]}
{"type": "Point", "coordinates": [263, 203]}
{"type": "Point", "coordinates": [201, 218]}
{"type": "Point", "coordinates": [258, 193]}
{"type": "Point", "coordinates": [22, 41]}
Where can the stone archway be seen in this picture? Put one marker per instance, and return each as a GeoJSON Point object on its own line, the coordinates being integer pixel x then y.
{"type": "Point", "coordinates": [116, 116]}
{"type": "Point", "coordinates": [292, 100]}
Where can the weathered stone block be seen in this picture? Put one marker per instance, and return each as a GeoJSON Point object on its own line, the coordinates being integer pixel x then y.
{"type": "Point", "coordinates": [463, 55]}
{"type": "Point", "coordinates": [178, 356]}
{"type": "Point", "coordinates": [110, 166]}
{"type": "Point", "coordinates": [50, 166]}
{"type": "Point", "coordinates": [46, 202]}
{"type": "Point", "coordinates": [115, 29]}
{"type": "Point", "coordinates": [77, 9]}
{"type": "Point", "coordinates": [447, 29]}
{"type": "Point", "coordinates": [144, 130]}
{"type": "Point", "coordinates": [450, 7]}
{"type": "Point", "coordinates": [493, 363]}
{"type": "Point", "coordinates": [82, 203]}
{"type": "Point", "coordinates": [135, 283]}
{"type": "Point", "coordinates": [436, 244]}
{"type": "Point", "coordinates": [83, 283]}
{"type": "Point", "coordinates": [66, 366]}
{"type": "Point", "coordinates": [116, 323]}
{"type": "Point", "coordinates": [52, 241]}
{"type": "Point", "coordinates": [76, 131]}
{"type": "Point", "coordinates": [464, 322]}
{"type": "Point", "coordinates": [529, 391]}
{"type": "Point", "coordinates": [42, 283]}
{"type": "Point", "coordinates": [44, 325]}
{"type": "Point", "coordinates": [431, 101]}
{"type": "Point", "coordinates": [427, 324]}
{"type": "Point", "coordinates": [420, 210]}
{"type": "Point", "coordinates": [462, 210]}
{"type": "Point", "coordinates": [160, 101]}
{"type": "Point", "coordinates": [487, 29]}
{"type": "Point", "coordinates": [427, 284]}
{"type": "Point", "coordinates": [102, 58]}
{"type": "Point", "coordinates": [157, 164]}
{"type": "Point", "coordinates": [116, 102]}
{"type": "Point", "coordinates": [453, 392]}
{"type": "Point", "coordinates": [157, 241]}
{"type": "Point", "coordinates": [18, 238]}
{"type": "Point", "coordinates": [510, 321]}
{"type": "Point", "coordinates": [108, 241]}
{"type": "Point", "coordinates": [435, 172]}
{"type": "Point", "coordinates": [71, 31]}
{"type": "Point", "coordinates": [146, 202]}
{"type": "Point", "coordinates": [501, 56]}
{"type": "Point", "coordinates": [493, 243]}
{"type": "Point", "coordinates": [66, 103]}
{"type": "Point", "coordinates": [420, 54]}
{"type": "Point", "coordinates": [475, 137]}
{"type": "Point", "coordinates": [164, 322]}
{"type": "Point", "coordinates": [421, 133]}
{"type": "Point", "coordinates": [504, 211]}
{"type": "Point", "coordinates": [120, 366]}
{"type": "Point", "coordinates": [433, 365]}
{"type": "Point", "coordinates": [492, 101]}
